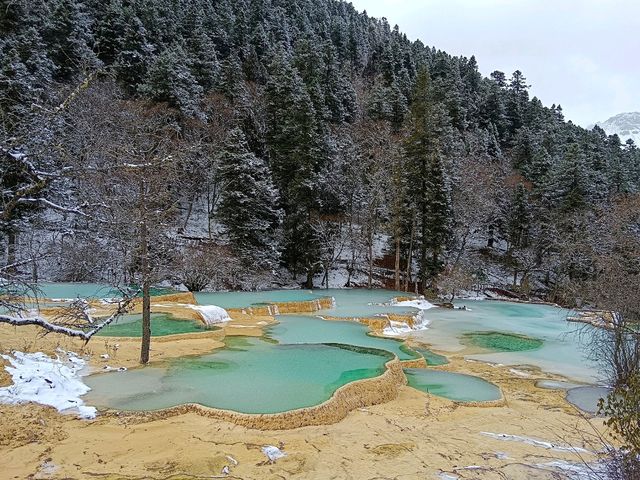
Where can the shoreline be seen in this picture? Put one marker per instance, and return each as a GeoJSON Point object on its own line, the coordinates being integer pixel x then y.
{"type": "Point", "coordinates": [427, 434]}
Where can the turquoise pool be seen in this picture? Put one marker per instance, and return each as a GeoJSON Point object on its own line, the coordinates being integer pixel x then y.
{"type": "Point", "coordinates": [298, 329]}
{"type": "Point", "coordinates": [454, 386]}
{"type": "Point", "coordinates": [161, 325]}
{"type": "Point", "coordinates": [250, 375]}
{"type": "Point", "coordinates": [557, 347]}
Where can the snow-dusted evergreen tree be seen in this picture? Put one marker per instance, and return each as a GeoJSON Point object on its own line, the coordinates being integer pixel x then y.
{"type": "Point", "coordinates": [296, 156]}
{"type": "Point", "coordinates": [296, 80]}
{"type": "Point", "coordinates": [518, 218]}
{"type": "Point", "coordinates": [249, 207]}
{"type": "Point", "coordinates": [425, 154]}
{"type": "Point", "coordinates": [205, 66]}
{"type": "Point", "coordinates": [170, 80]}
{"type": "Point", "coordinates": [69, 35]}
{"type": "Point", "coordinates": [568, 186]}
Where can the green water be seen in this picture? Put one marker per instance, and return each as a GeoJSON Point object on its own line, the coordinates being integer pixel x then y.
{"type": "Point", "coordinates": [501, 342]}
{"type": "Point", "coordinates": [299, 329]}
{"type": "Point", "coordinates": [250, 375]}
{"type": "Point", "coordinates": [67, 290]}
{"type": "Point", "coordinates": [562, 351]}
{"type": "Point", "coordinates": [454, 386]}
{"type": "Point", "coordinates": [161, 325]}
{"type": "Point", "coordinates": [299, 364]}
{"type": "Point", "coordinates": [433, 359]}
{"type": "Point", "coordinates": [357, 303]}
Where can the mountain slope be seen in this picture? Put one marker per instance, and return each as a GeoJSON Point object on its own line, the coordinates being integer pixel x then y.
{"type": "Point", "coordinates": [625, 125]}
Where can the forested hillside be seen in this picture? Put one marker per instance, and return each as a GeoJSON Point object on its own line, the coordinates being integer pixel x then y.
{"type": "Point", "coordinates": [243, 141]}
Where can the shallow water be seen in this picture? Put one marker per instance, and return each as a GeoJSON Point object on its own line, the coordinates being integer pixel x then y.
{"type": "Point", "coordinates": [350, 303]}
{"type": "Point", "coordinates": [501, 342]}
{"type": "Point", "coordinates": [161, 324]}
{"type": "Point", "coordinates": [556, 385]}
{"type": "Point", "coordinates": [75, 290]}
{"type": "Point", "coordinates": [562, 351]}
{"type": "Point", "coordinates": [298, 329]}
{"type": "Point", "coordinates": [70, 290]}
{"type": "Point", "coordinates": [454, 386]}
{"type": "Point", "coordinates": [433, 359]}
{"type": "Point", "coordinates": [587, 398]}
{"type": "Point", "coordinates": [358, 303]}
{"type": "Point", "coordinates": [298, 363]}
{"type": "Point", "coordinates": [250, 375]}
{"type": "Point", "coordinates": [247, 299]}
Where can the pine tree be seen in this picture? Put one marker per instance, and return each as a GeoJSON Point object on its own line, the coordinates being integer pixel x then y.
{"type": "Point", "coordinates": [169, 79]}
{"type": "Point", "coordinates": [249, 207]}
{"type": "Point", "coordinates": [568, 181]}
{"type": "Point", "coordinates": [297, 155]}
{"type": "Point", "coordinates": [133, 50]}
{"type": "Point", "coordinates": [205, 66]}
{"type": "Point", "coordinates": [69, 37]}
{"type": "Point", "coordinates": [518, 218]}
{"type": "Point", "coordinates": [424, 153]}
{"type": "Point", "coordinates": [517, 99]}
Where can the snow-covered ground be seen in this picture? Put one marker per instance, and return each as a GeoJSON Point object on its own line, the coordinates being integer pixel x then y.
{"type": "Point", "coordinates": [48, 381]}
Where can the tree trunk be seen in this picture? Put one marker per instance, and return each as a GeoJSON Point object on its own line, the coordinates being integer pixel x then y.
{"type": "Point", "coordinates": [490, 240]}
{"type": "Point", "coordinates": [34, 271]}
{"type": "Point", "coordinates": [423, 232]}
{"type": "Point", "coordinates": [186, 220]}
{"type": "Point", "coordinates": [410, 256]}
{"type": "Point", "coordinates": [12, 242]}
{"type": "Point", "coordinates": [146, 280]}
{"type": "Point", "coordinates": [208, 210]}
{"type": "Point", "coordinates": [397, 265]}
{"type": "Point", "coordinates": [370, 275]}
{"type": "Point", "coordinates": [146, 322]}
{"type": "Point", "coordinates": [309, 282]}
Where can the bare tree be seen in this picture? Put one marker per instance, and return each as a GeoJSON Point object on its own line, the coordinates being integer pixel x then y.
{"type": "Point", "coordinates": [614, 287]}
{"type": "Point", "coordinates": [333, 237]}
{"type": "Point", "coordinates": [37, 184]}
{"type": "Point", "coordinates": [133, 153]}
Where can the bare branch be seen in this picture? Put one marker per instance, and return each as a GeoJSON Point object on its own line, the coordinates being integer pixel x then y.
{"type": "Point", "coordinates": [123, 307]}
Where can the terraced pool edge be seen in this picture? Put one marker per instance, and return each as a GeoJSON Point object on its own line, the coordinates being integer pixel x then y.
{"type": "Point", "coordinates": [277, 308]}
{"type": "Point", "coordinates": [349, 397]}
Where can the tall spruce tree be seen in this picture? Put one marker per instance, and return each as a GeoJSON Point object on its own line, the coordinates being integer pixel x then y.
{"type": "Point", "coordinates": [297, 155]}
{"type": "Point", "coordinates": [424, 151]}
{"type": "Point", "coordinates": [249, 207]}
{"type": "Point", "coordinates": [170, 80]}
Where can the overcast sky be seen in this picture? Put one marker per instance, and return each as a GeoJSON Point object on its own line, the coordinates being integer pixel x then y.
{"type": "Point", "coordinates": [583, 54]}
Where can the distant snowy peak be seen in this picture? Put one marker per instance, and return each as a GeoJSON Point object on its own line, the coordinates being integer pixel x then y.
{"type": "Point", "coordinates": [625, 125]}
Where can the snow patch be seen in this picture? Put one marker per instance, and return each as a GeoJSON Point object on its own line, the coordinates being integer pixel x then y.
{"type": "Point", "coordinates": [447, 476]}
{"type": "Point", "coordinates": [534, 442]}
{"type": "Point", "coordinates": [273, 453]}
{"type": "Point", "coordinates": [41, 379]}
{"type": "Point", "coordinates": [576, 471]}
